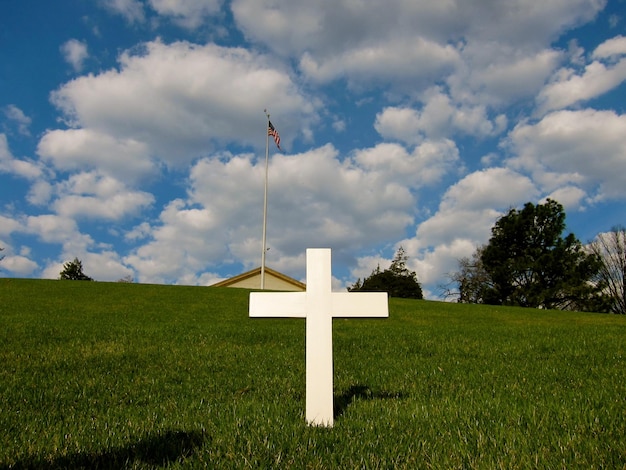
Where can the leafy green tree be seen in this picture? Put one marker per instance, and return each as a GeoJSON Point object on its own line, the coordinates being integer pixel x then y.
{"type": "Point", "coordinates": [611, 249]}
{"type": "Point", "coordinates": [397, 281]}
{"type": "Point", "coordinates": [530, 263]}
{"type": "Point", "coordinates": [73, 271]}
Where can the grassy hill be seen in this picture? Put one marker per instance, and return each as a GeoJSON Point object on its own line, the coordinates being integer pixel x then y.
{"type": "Point", "coordinates": [110, 375]}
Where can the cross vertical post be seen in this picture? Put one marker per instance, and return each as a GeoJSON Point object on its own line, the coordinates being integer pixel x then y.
{"type": "Point", "coordinates": [319, 338]}
{"type": "Point", "coordinates": [318, 305]}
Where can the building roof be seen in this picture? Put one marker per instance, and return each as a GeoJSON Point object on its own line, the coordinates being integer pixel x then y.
{"type": "Point", "coordinates": [273, 281]}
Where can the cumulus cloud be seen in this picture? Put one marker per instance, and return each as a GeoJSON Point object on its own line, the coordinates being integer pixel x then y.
{"type": "Point", "coordinates": [187, 13]}
{"type": "Point", "coordinates": [498, 74]}
{"type": "Point", "coordinates": [438, 118]}
{"type": "Point", "coordinates": [92, 195]}
{"type": "Point", "coordinates": [131, 10]}
{"type": "Point", "coordinates": [398, 42]}
{"type": "Point", "coordinates": [17, 116]}
{"type": "Point", "coordinates": [384, 62]}
{"type": "Point", "coordinates": [170, 102]}
{"type": "Point", "coordinates": [293, 26]}
{"type": "Point", "coordinates": [571, 197]}
{"type": "Point", "coordinates": [586, 147]}
{"type": "Point", "coordinates": [99, 262]}
{"type": "Point", "coordinates": [57, 229]}
{"type": "Point", "coordinates": [570, 86]}
{"type": "Point", "coordinates": [611, 48]}
{"type": "Point", "coordinates": [75, 53]}
{"type": "Point", "coordinates": [19, 265]}
{"type": "Point", "coordinates": [317, 198]}
{"type": "Point", "coordinates": [8, 225]}
{"type": "Point", "coordinates": [77, 149]}
{"type": "Point", "coordinates": [425, 165]}
{"type": "Point", "coordinates": [19, 167]}
{"type": "Point", "coordinates": [490, 188]}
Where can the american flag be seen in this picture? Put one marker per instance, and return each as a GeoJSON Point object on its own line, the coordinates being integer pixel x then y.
{"type": "Point", "coordinates": [271, 130]}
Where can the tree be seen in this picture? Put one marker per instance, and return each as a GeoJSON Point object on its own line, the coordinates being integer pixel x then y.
{"type": "Point", "coordinates": [397, 281]}
{"type": "Point", "coordinates": [610, 248]}
{"type": "Point", "coordinates": [527, 262]}
{"type": "Point", "coordinates": [530, 264]}
{"type": "Point", "coordinates": [73, 271]}
{"type": "Point", "coordinates": [471, 280]}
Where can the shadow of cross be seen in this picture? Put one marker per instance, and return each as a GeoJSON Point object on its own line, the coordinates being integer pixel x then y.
{"type": "Point", "coordinates": [319, 305]}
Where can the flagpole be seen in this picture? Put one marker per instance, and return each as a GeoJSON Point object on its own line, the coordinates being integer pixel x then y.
{"type": "Point", "coordinates": [267, 151]}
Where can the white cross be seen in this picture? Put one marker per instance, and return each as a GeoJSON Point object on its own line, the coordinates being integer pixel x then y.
{"type": "Point", "coordinates": [318, 305]}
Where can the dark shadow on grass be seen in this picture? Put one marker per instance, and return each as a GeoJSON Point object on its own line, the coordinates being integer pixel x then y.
{"type": "Point", "coordinates": [154, 451]}
{"type": "Point", "coordinates": [360, 392]}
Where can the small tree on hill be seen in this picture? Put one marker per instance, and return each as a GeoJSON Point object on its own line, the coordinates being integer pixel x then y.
{"type": "Point", "coordinates": [471, 281]}
{"type": "Point", "coordinates": [611, 249]}
{"type": "Point", "coordinates": [73, 271]}
{"type": "Point", "coordinates": [397, 281]}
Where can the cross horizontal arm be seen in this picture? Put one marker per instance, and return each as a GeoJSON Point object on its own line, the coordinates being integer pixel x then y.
{"type": "Point", "coordinates": [278, 304]}
{"type": "Point", "coordinates": [360, 304]}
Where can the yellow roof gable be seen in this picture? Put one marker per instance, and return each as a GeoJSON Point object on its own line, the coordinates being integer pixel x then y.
{"type": "Point", "coordinates": [273, 281]}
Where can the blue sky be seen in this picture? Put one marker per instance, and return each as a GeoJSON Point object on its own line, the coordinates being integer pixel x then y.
{"type": "Point", "coordinates": [132, 133]}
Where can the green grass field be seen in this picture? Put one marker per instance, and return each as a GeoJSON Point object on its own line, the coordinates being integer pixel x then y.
{"type": "Point", "coordinates": [112, 375]}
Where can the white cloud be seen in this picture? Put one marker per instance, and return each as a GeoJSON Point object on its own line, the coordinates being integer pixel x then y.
{"type": "Point", "coordinates": [76, 149]}
{"type": "Point", "coordinates": [9, 164]}
{"type": "Point", "coordinates": [588, 145]}
{"type": "Point", "coordinates": [103, 265]}
{"type": "Point", "coordinates": [39, 193]}
{"type": "Point", "coordinates": [8, 225]}
{"type": "Point", "coordinates": [400, 123]}
{"type": "Point", "coordinates": [384, 62]}
{"type": "Point", "coordinates": [171, 102]}
{"type": "Point", "coordinates": [75, 53]}
{"type": "Point", "coordinates": [187, 13]}
{"type": "Point", "coordinates": [425, 165]}
{"type": "Point", "coordinates": [571, 88]}
{"type": "Point", "coordinates": [131, 10]}
{"type": "Point", "coordinates": [438, 118]}
{"type": "Point", "coordinates": [571, 197]}
{"type": "Point", "coordinates": [498, 74]}
{"type": "Point", "coordinates": [138, 232]}
{"type": "Point", "coordinates": [490, 188]}
{"type": "Point", "coordinates": [185, 243]}
{"type": "Point", "coordinates": [20, 265]}
{"type": "Point", "coordinates": [58, 230]}
{"type": "Point", "coordinates": [434, 265]}
{"type": "Point", "coordinates": [316, 198]}
{"type": "Point", "coordinates": [293, 26]}
{"type": "Point", "coordinates": [610, 48]}
{"type": "Point", "coordinates": [15, 114]}
{"type": "Point", "coordinates": [92, 195]}
{"type": "Point", "coordinates": [399, 43]}
{"type": "Point", "coordinates": [365, 265]}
